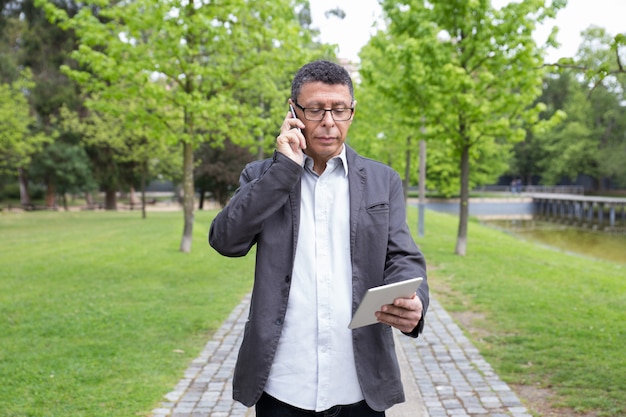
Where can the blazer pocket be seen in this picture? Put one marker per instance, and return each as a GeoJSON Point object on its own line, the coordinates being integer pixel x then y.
{"type": "Point", "coordinates": [377, 207]}
{"type": "Point", "coordinates": [377, 216]}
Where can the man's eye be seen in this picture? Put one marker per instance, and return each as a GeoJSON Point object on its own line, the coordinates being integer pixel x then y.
{"type": "Point", "coordinates": [315, 112]}
{"type": "Point", "coordinates": [340, 111]}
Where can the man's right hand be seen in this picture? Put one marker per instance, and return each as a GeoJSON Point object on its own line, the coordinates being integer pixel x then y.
{"type": "Point", "coordinates": [290, 142]}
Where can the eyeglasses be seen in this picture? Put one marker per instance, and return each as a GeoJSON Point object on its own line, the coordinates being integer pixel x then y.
{"type": "Point", "coordinates": [315, 114]}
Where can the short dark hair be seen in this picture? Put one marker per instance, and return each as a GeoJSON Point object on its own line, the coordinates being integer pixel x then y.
{"type": "Point", "coordinates": [321, 71]}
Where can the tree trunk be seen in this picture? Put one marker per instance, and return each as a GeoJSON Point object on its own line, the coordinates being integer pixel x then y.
{"type": "Point", "coordinates": [407, 169]}
{"type": "Point", "coordinates": [188, 197]}
{"type": "Point", "coordinates": [422, 189]}
{"type": "Point", "coordinates": [260, 151]}
{"type": "Point", "coordinates": [110, 199]}
{"type": "Point", "coordinates": [461, 239]}
{"type": "Point", "coordinates": [143, 191]}
{"type": "Point", "coordinates": [201, 202]}
{"type": "Point", "coordinates": [24, 194]}
{"type": "Point", "coordinates": [51, 194]}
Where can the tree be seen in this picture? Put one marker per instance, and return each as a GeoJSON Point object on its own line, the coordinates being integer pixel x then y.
{"type": "Point", "coordinates": [528, 155]}
{"type": "Point", "coordinates": [594, 129]}
{"type": "Point", "coordinates": [473, 69]}
{"type": "Point", "coordinates": [29, 41]}
{"type": "Point", "coordinates": [123, 153]}
{"type": "Point", "coordinates": [383, 138]}
{"type": "Point", "coordinates": [18, 142]}
{"type": "Point", "coordinates": [219, 168]}
{"type": "Point", "coordinates": [65, 168]}
{"type": "Point", "coordinates": [604, 57]}
{"type": "Point", "coordinates": [11, 29]}
{"type": "Point", "coordinates": [186, 66]}
{"type": "Point", "coordinates": [591, 139]}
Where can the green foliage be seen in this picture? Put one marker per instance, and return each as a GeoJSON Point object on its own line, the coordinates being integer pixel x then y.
{"type": "Point", "coordinates": [127, 144]}
{"type": "Point", "coordinates": [466, 70]}
{"type": "Point", "coordinates": [471, 70]}
{"type": "Point", "coordinates": [601, 57]}
{"type": "Point", "coordinates": [612, 158]}
{"type": "Point", "coordinates": [11, 191]}
{"type": "Point", "coordinates": [590, 139]}
{"type": "Point", "coordinates": [590, 90]}
{"type": "Point", "coordinates": [66, 166]}
{"type": "Point", "coordinates": [183, 66]}
{"type": "Point", "coordinates": [34, 43]}
{"type": "Point", "coordinates": [12, 28]}
{"type": "Point", "coordinates": [194, 74]}
{"type": "Point", "coordinates": [218, 169]}
{"type": "Point", "coordinates": [17, 141]}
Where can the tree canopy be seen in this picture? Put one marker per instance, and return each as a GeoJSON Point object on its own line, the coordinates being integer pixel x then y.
{"type": "Point", "coordinates": [188, 68]}
{"type": "Point", "coordinates": [18, 140]}
{"type": "Point", "coordinates": [467, 70]}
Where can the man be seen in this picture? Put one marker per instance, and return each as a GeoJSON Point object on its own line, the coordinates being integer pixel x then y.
{"type": "Point", "coordinates": [328, 224]}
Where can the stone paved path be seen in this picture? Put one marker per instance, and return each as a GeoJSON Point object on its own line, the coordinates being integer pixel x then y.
{"type": "Point", "coordinates": [445, 375]}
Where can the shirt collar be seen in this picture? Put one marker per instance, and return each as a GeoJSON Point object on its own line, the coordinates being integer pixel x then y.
{"type": "Point", "coordinates": [341, 158]}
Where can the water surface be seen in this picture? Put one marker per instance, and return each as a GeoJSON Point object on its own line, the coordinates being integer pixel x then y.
{"type": "Point", "coordinates": [601, 245]}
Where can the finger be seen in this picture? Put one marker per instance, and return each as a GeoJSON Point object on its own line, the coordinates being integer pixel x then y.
{"type": "Point", "coordinates": [286, 127]}
{"type": "Point", "coordinates": [408, 308]}
{"type": "Point", "coordinates": [401, 312]}
{"type": "Point", "coordinates": [287, 138]}
{"type": "Point", "coordinates": [293, 135]}
{"type": "Point", "coordinates": [289, 142]}
{"type": "Point", "coordinates": [400, 323]}
{"type": "Point", "coordinates": [292, 122]}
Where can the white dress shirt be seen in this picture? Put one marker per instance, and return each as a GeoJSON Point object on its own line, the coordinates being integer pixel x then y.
{"type": "Point", "coordinates": [314, 365]}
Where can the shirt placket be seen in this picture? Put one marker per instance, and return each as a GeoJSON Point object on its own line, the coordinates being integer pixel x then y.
{"type": "Point", "coordinates": [323, 263]}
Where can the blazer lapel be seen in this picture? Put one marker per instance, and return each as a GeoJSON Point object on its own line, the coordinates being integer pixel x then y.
{"type": "Point", "coordinates": [356, 181]}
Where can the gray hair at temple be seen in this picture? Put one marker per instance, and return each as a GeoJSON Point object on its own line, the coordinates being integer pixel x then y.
{"type": "Point", "coordinates": [321, 71]}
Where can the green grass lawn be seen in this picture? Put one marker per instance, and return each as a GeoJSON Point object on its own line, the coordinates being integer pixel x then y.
{"type": "Point", "coordinates": [546, 318]}
{"type": "Point", "coordinates": [100, 313]}
{"type": "Point", "coordinates": [96, 308]}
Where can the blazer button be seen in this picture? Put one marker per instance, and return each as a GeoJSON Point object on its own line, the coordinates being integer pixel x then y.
{"type": "Point", "coordinates": [287, 278]}
{"type": "Point", "coordinates": [279, 322]}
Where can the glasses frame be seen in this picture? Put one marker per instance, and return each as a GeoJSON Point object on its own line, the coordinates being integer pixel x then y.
{"type": "Point", "coordinates": [304, 109]}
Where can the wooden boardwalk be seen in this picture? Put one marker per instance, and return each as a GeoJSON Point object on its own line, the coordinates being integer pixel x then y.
{"type": "Point", "coordinates": [601, 213]}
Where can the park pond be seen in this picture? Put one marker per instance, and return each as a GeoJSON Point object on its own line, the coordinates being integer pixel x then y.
{"type": "Point", "coordinates": [595, 244]}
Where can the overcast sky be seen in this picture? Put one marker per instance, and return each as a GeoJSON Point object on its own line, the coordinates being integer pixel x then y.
{"type": "Point", "coordinates": [354, 31]}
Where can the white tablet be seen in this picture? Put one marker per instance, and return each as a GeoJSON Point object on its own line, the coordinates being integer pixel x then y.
{"type": "Point", "coordinates": [376, 297]}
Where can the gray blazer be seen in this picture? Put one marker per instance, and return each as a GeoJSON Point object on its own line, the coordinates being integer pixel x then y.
{"type": "Point", "coordinates": [265, 211]}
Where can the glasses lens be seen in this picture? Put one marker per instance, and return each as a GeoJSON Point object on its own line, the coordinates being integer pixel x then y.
{"type": "Point", "coordinates": [339, 114]}
{"type": "Point", "coordinates": [314, 114]}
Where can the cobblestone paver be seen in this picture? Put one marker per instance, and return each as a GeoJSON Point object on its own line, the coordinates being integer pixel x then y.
{"type": "Point", "coordinates": [453, 378]}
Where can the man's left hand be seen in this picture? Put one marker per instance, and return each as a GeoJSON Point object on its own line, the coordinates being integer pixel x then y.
{"type": "Point", "coordinates": [404, 314]}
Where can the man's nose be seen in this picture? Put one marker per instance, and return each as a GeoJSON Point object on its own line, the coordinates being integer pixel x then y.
{"type": "Point", "coordinates": [328, 118]}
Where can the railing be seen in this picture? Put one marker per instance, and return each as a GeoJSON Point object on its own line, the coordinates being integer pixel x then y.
{"type": "Point", "coordinates": [552, 189]}
{"type": "Point", "coordinates": [601, 213]}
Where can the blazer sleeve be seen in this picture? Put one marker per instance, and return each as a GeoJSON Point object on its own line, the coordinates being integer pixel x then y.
{"type": "Point", "coordinates": [404, 258]}
{"type": "Point", "coordinates": [264, 188]}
